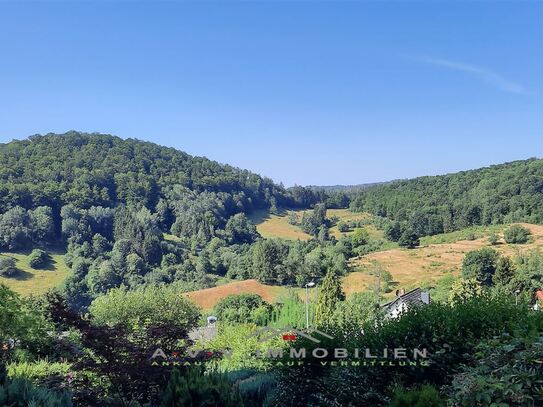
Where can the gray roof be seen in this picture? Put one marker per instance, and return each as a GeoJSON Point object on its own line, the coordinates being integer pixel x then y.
{"type": "Point", "coordinates": [205, 333]}
{"type": "Point", "coordinates": [413, 297]}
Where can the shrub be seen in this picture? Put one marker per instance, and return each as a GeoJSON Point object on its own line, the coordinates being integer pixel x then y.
{"type": "Point", "coordinates": [40, 369]}
{"type": "Point", "coordinates": [343, 226]}
{"type": "Point", "coordinates": [450, 334]}
{"type": "Point", "coordinates": [240, 308]}
{"type": "Point", "coordinates": [493, 239]}
{"type": "Point", "coordinates": [508, 372]}
{"type": "Point", "coordinates": [424, 396]}
{"type": "Point", "coordinates": [465, 290]}
{"type": "Point", "coordinates": [516, 234]}
{"type": "Point", "coordinates": [7, 267]}
{"type": "Point", "coordinates": [21, 322]}
{"type": "Point", "coordinates": [22, 393]}
{"type": "Point", "coordinates": [409, 239]}
{"type": "Point", "coordinates": [480, 264]}
{"type": "Point", "coordinates": [292, 218]}
{"type": "Point", "coordinates": [162, 305]}
{"type": "Point", "coordinates": [38, 259]}
{"type": "Point", "coordinates": [199, 389]}
{"type": "Point", "coordinates": [360, 237]}
{"type": "Point", "coordinates": [393, 231]}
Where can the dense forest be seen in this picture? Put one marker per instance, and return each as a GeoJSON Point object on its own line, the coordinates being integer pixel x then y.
{"type": "Point", "coordinates": [87, 170]}
{"type": "Point", "coordinates": [510, 192]}
{"type": "Point", "coordinates": [112, 202]}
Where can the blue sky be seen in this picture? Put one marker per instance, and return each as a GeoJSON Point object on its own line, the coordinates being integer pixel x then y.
{"type": "Point", "coordinates": [307, 93]}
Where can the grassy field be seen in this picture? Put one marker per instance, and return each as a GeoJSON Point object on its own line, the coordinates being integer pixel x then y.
{"type": "Point", "coordinates": [430, 265]}
{"type": "Point", "coordinates": [270, 226]}
{"type": "Point", "coordinates": [30, 281]}
{"type": "Point", "coordinates": [208, 297]}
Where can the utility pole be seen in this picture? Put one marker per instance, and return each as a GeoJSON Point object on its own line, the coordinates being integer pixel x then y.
{"type": "Point", "coordinates": [310, 284]}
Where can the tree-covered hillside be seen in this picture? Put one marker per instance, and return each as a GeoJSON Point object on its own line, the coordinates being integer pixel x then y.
{"type": "Point", "coordinates": [100, 170]}
{"type": "Point", "coordinates": [503, 193]}
{"type": "Point", "coordinates": [132, 213]}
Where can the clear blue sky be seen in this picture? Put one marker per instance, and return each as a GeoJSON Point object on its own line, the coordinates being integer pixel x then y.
{"type": "Point", "coordinates": [307, 93]}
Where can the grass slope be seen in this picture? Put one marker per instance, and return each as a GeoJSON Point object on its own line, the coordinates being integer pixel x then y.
{"type": "Point", "coordinates": [208, 297]}
{"type": "Point", "coordinates": [30, 281]}
{"type": "Point", "coordinates": [431, 262]}
{"type": "Point", "coordinates": [270, 226]}
{"type": "Point", "coordinates": [430, 265]}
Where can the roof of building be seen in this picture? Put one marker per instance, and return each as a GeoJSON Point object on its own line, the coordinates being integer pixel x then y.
{"type": "Point", "coordinates": [539, 295]}
{"type": "Point", "coordinates": [412, 297]}
{"type": "Point", "coordinates": [205, 333]}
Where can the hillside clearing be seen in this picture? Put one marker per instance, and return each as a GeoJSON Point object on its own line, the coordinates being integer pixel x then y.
{"type": "Point", "coordinates": [207, 298]}
{"type": "Point", "coordinates": [35, 282]}
{"type": "Point", "coordinates": [270, 226]}
{"type": "Point", "coordinates": [429, 263]}
{"type": "Point", "coordinates": [277, 226]}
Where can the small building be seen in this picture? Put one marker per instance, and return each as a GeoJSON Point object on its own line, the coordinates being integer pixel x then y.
{"type": "Point", "coordinates": [404, 301]}
{"type": "Point", "coordinates": [205, 333]}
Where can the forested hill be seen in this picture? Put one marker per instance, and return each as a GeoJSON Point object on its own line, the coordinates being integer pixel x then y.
{"type": "Point", "coordinates": [429, 205]}
{"type": "Point", "coordinates": [101, 170]}
{"type": "Point", "coordinates": [114, 205]}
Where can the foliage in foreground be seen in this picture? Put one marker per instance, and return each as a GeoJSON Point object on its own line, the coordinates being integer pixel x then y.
{"type": "Point", "coordinates": [198, 390]}
{"type": "Point", "coordinates": [423, 396]}
{"type": "Point", "coordinates": [508, 371]}
{"type": "Point", "coordinates": [450, 333]}
{"type": "Point", "coordinates": [22, 393]}
{"type": "Point", "coordinates": [21, 323]}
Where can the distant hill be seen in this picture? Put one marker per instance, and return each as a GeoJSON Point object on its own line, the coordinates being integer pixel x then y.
{"type": "Point", "coordinates": [510, 192]}
{"type": "Point", "coordinates": [344, 188]}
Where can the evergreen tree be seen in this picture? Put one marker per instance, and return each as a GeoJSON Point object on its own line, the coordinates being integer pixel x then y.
{"type": "Point", "coordinates": [505, 270]}
{"type": "Point", "coordinates": [409, 239]}
{"type": "Point", "coordinates": [330, 295]}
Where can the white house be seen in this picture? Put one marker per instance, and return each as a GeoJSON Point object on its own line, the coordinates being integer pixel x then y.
{"type": "Point", "coordinates": [405, 301]}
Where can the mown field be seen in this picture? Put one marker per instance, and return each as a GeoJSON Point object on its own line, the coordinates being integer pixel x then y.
{"type": "Point", "coordinates": [30, 281]}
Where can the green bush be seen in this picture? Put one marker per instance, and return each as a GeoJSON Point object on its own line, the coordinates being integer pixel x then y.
{"type": "Point", "coordinates": [38, 259]}
{"type": "Point", "coordinates": [241, 309]}
{"type": "Point", "coordinates": [8, 267]}
{"type": "Point", "coordinates": [516, 234]}
{"type": "Point", "coordinates": [409, 239]}
{"type": "Point", "coordinates": [40, 369]}
{"type": "Point", "coordinates": [423, 396]}
{"type": "Point", "coordinates": [198, 389]}
{"type": "Point", "coordinates": [161, 305]}
{"type": "Point", "coordinates": [508, 372]}
{"type": "Point", "coordinates": [480, 264]}
{"type": "Point", "coordinates": [22, 322]}
{"type": "Point", "coordinates": [493, 239]}
{"type": "Point", "coordinates": [449, 333]}
{"type": "Point", "coordinates": [22, 393]}
{"type": "Point", "coordinates": [342, 226]}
